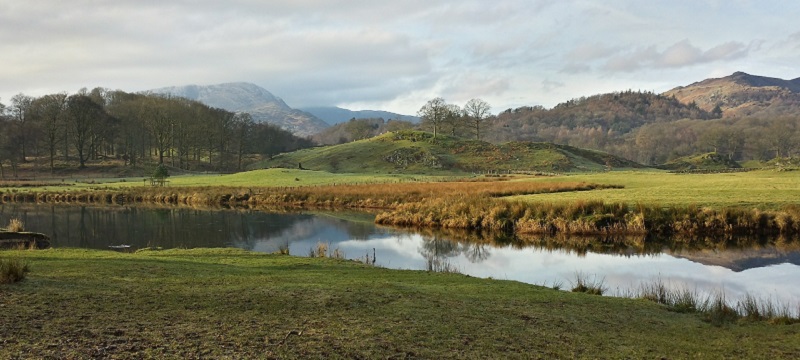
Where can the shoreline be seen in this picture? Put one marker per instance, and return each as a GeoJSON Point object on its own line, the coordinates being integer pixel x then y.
{"type": "Point", "coordinates": [485, 211]}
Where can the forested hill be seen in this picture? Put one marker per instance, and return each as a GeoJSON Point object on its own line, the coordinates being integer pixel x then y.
{"type": "Point", "coordinates": [603, 122]}
{"type": "Point", "coordinates": [618, 112]}
{"type": "Point", "coordinates": [741, 116]}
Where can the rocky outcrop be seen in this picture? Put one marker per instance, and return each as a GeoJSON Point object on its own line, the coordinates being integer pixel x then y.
{"type": "Point", "coordinates": [26, 240]}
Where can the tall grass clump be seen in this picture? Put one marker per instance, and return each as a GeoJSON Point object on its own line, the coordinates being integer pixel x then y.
{"type": "Point", "coordinates": [754, 308]}
{"type": "Point", "coordinates": [12, 270]}
{"type": "Point", "coordinates": [584, 284]}
{"type": "Point", "coordinates": [715, 308]}
{"type": "Point", "coordinates": [16, 225]}
{"type": "Point", "coordinates": [322, 250]}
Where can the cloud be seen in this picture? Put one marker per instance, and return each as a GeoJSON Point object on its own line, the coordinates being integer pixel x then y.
{"type": "Point", "coordinates": [550, 85]}
{"type": "Point", "coordinates": [590, 52]}
{"type": "Point", "coordinates": [678, 55]}
{"type": "Point", "coordinates": [463, 87]}
{"type": "Point", "coordinates": [329, 52]}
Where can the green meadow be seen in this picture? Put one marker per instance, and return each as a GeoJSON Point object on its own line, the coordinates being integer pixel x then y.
{"type": "Point", "coordinates": [763, 189]}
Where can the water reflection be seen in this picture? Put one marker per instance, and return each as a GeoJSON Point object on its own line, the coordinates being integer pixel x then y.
{"type": "Point", "coordinates": [763, 266]}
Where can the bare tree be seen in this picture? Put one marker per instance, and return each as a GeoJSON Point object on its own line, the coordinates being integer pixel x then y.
{"type": "Point", "coordinates": [243, 131]}
{"type": "Point", "coordinates": [84, 117]}
{"type": "Point", "coordinates": [477, 111]}
{"type": "Point", "coordinates": [159, 122]}
{"type": "Point", "coordinates": [433, 113]}
{"type": "Point", "coordinates": [453, 118]}
{"type": "Point", "coordinates": [50, 111]}
{"type": "Point", "coordinates": [20, 110]}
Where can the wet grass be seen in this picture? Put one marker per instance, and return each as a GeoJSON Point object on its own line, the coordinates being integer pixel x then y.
{"type": "Point", "coordinates": [229, 303]}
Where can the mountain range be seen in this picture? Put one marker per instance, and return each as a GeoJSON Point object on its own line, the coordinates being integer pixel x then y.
{"type": "Point", "coordinates": [262, 105]}
{"type": "Point", "coordinates": [736, 95]}
{"type": "Point", "coordinates": [336, 115]}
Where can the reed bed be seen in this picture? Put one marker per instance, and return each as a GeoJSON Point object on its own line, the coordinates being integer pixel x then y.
{"type": "Point", "coordinates": [715, 307]}
{"type": "Point", "coordinates": [385, 196]}
{"type": "Point", "coordinates": [591, 218]}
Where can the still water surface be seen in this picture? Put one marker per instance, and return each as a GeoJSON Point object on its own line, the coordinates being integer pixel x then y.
{"type": "Point", "coordinates": [766, 271]}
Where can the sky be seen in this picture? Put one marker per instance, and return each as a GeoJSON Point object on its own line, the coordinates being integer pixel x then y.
{"type": "Point", "coordinates": [394, 55]}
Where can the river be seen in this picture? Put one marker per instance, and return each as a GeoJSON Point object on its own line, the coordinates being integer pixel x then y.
{"type": "Point", "coordinates": [766, 270]}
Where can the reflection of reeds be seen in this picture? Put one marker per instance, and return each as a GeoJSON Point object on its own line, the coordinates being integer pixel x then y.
{"type": "Point", "coordinates": [622, 245]}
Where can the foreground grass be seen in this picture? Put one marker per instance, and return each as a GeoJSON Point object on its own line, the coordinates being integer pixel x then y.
{"type": "Point", "coordinates": [231, 303]}
{"type": "Point", "coordinates": [766, 189]}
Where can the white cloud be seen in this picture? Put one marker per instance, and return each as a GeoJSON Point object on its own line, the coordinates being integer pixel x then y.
{"type": "Point", "coordinates": [680, 54]}
{"type": "Point", "coordinates": [397, 54]}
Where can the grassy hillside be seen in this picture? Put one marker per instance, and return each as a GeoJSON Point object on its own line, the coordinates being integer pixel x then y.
{"type": "Point", "coordinates": [416, 152]}
{"type": "Point", "coordinates": [229, 303]}
{"type": "Point", "coordinates": [703, 162]}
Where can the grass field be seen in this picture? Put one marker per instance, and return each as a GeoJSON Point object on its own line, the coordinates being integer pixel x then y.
{"type": "Point", "coordinates": [229, 303]}
{"type": "Point", "coordinates": [255, 178]}
{"type": "Point", "coordinates": [755, 189]}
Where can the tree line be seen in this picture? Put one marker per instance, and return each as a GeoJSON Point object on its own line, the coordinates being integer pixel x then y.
{"type": "Point", "coordinates": [73, 129]}
{"type": "Point", "coordinates": [642, 126]}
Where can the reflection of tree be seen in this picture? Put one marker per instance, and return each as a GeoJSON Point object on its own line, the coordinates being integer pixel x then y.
{"type": "Point", "coordinates": [436, 252]}
{"type": "Point", "coordinates": [358, 230]}
{"type": "Point", "coordinates": [476, 253]}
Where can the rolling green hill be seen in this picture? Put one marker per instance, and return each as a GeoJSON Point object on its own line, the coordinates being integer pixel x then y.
{"type": "Point", "coordinates": [417, 152]}
{"type": "Point", "coordinates": [703, 162]}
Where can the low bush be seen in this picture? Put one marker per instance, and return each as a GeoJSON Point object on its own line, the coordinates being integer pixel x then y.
{"type": "Point", "coordinates": [12, 270]}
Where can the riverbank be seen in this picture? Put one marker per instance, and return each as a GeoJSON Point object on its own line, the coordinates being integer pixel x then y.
{"type": "Point", "coordinates": [232, 303]}
{"type": "Point", "coordinates": [565, 205]}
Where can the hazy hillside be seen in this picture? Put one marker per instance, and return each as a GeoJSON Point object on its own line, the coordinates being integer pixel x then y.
{"type": "Point", "coordinates": [417, 152]}
{"type": "Point", "coordinates": [250, 98]}
{"type": "Point", "coordinates": [335, 115]}
{"type": "Point", "coordinates": [741, 94]}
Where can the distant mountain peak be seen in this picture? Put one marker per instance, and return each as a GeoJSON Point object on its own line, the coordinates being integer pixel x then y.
{"type": "Point", "coordinates": [741, 94]}
{"type": "Point", "coordinates": [746, 79]}
{"type": "Point", "coordinates": [253, 99]}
